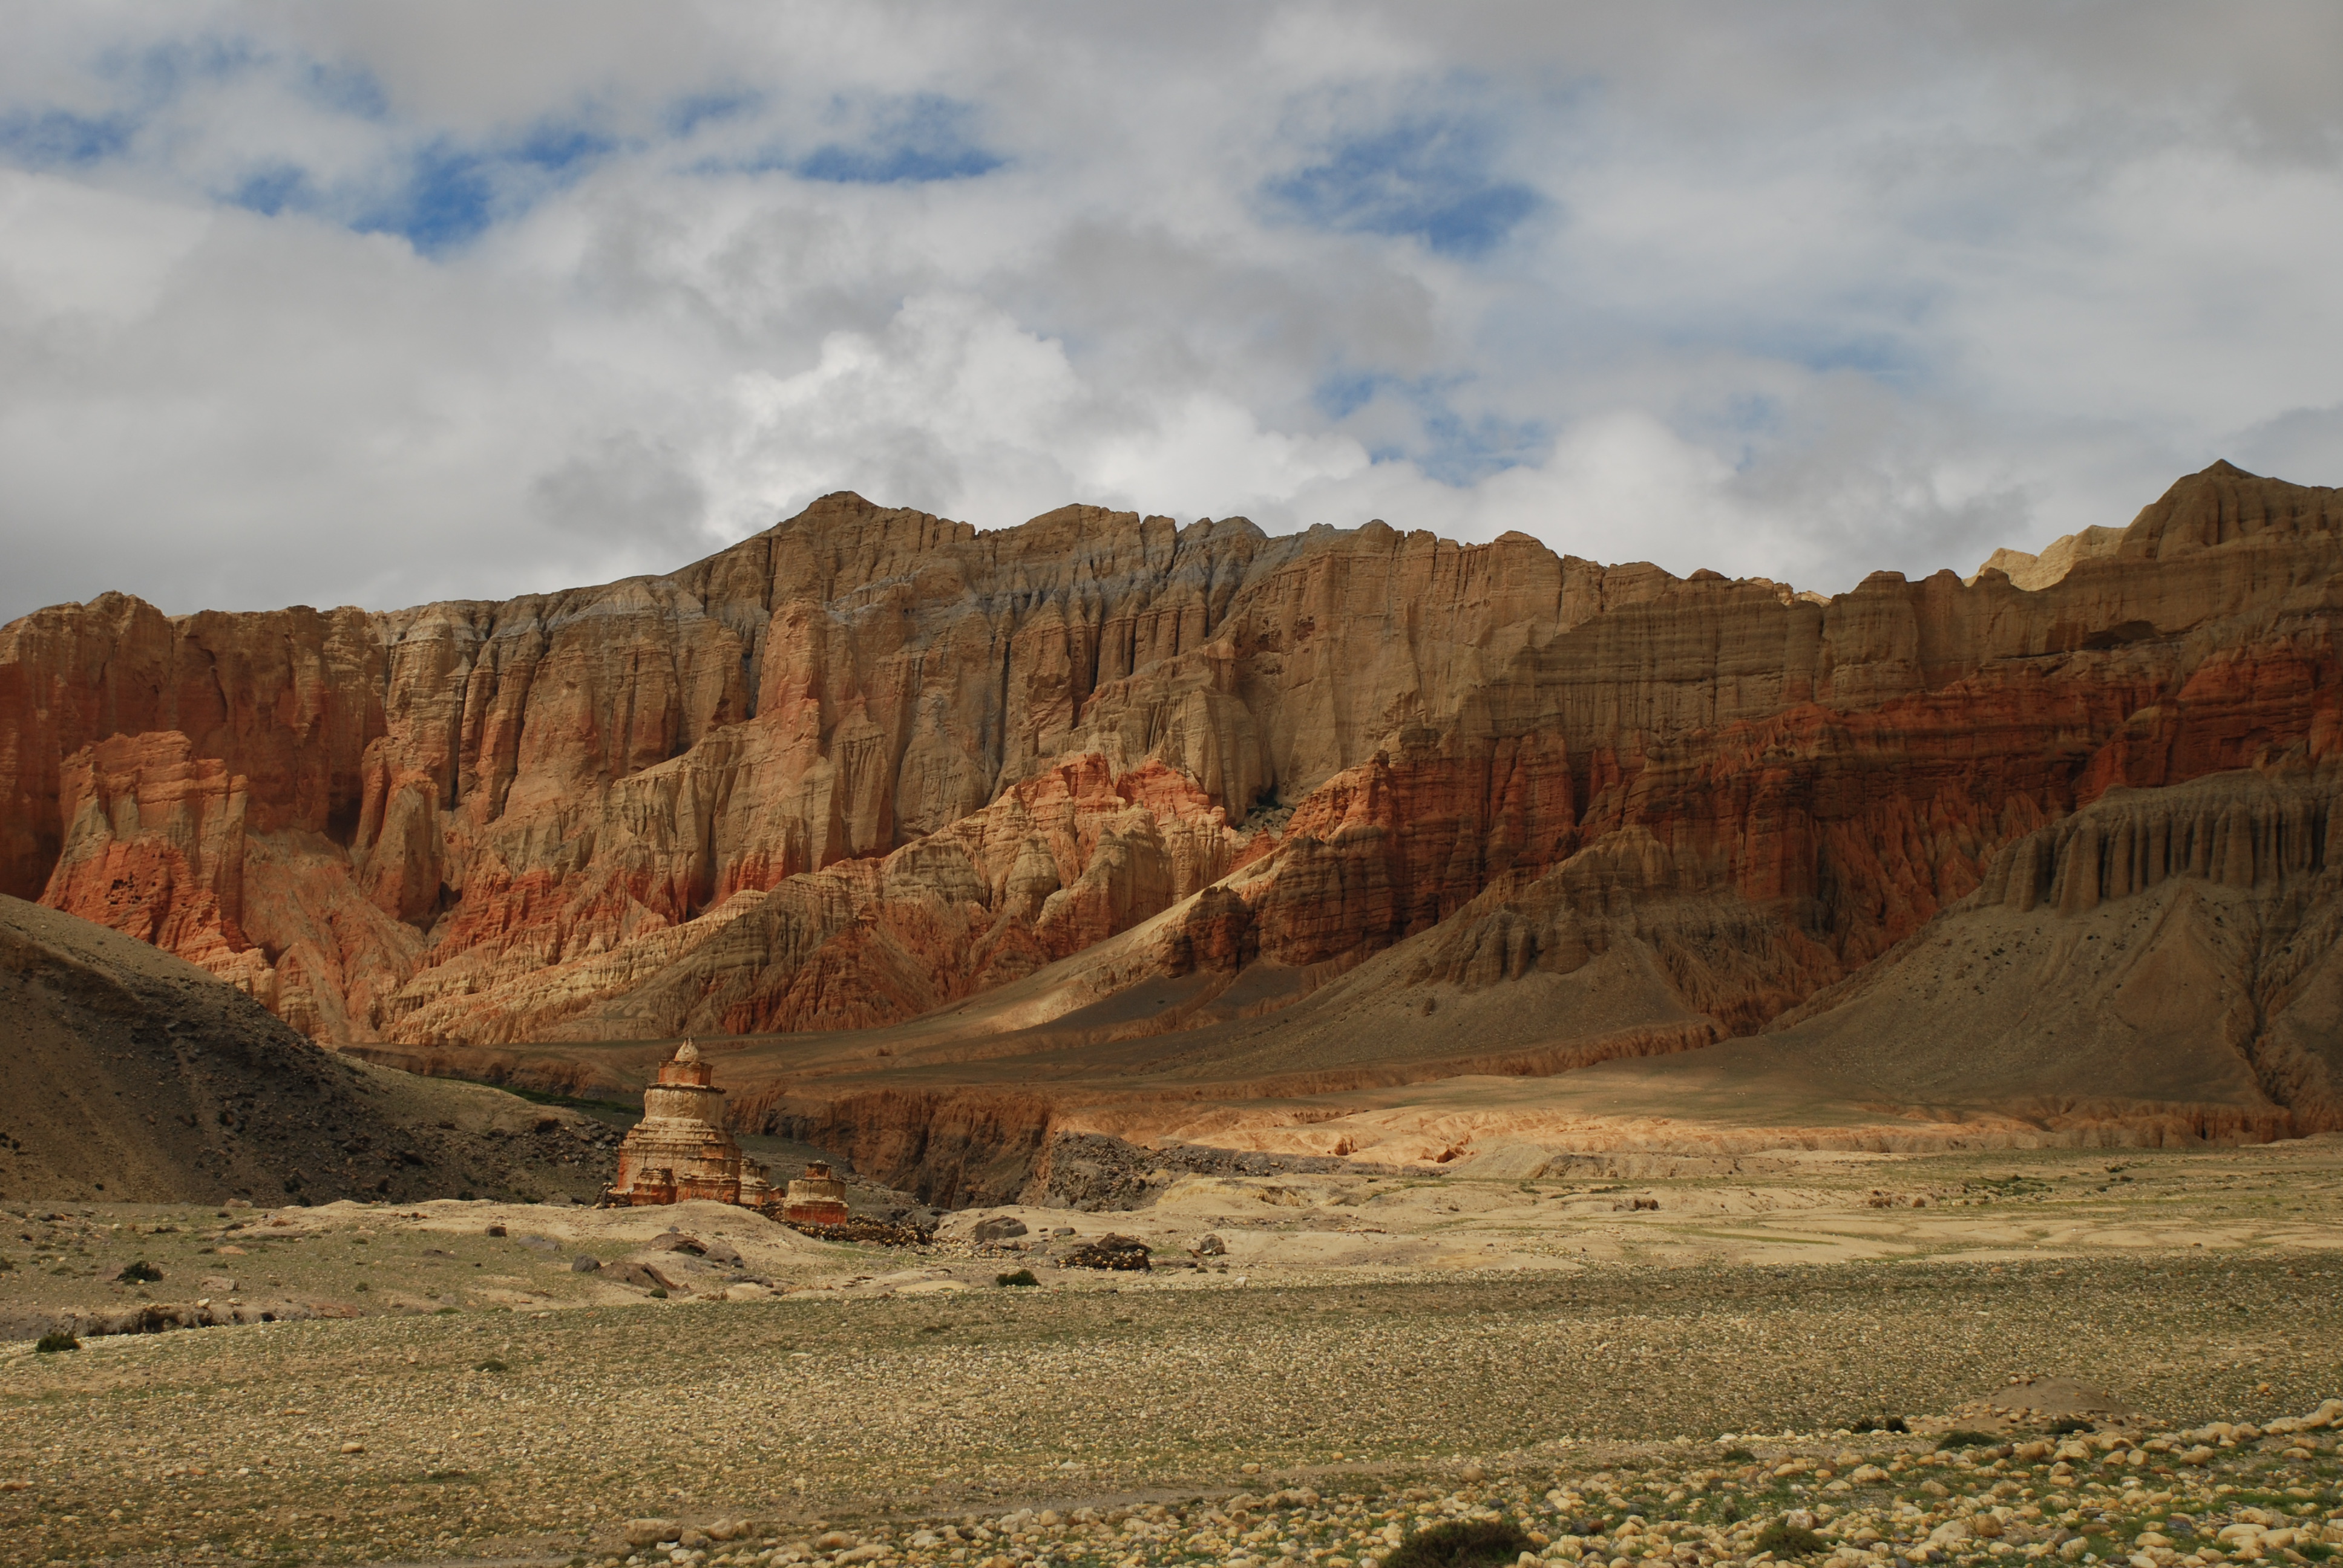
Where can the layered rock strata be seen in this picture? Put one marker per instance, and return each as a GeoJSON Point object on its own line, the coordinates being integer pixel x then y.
{"type": "Point", "coordinates": [1101, 780]}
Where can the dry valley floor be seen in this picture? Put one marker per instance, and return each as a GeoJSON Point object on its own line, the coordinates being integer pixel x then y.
{"type": "Point", "coordinates": [1626, 1384]}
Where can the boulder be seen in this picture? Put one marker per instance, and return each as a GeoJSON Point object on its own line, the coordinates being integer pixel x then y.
{"type": "Point", "coordinates": [1111, 1251]}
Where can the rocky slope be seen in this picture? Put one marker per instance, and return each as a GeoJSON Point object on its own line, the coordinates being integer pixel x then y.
{"type": "Point", "coordinates": [922, 798]}
{"type": "Point", "coordinates": [131, 1076]}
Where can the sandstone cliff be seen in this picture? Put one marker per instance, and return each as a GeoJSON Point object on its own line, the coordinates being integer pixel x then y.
{"type": "Point", "coordinates": [1100, 779]}
{"type": "Point", "coordinates": [525, 786]}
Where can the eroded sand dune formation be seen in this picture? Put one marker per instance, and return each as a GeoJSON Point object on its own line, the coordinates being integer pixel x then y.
{"type": "Point", "coordinates": [1100, 812]}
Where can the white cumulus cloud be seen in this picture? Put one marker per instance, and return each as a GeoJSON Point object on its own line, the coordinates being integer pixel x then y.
{"type": "Point", "coordinates": [377, 303]}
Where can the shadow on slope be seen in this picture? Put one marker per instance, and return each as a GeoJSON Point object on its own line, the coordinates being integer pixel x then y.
{"type": "Point", "coordinates": [131, 1076]}
{"type": "Point", "coordinates": [2162, 966]}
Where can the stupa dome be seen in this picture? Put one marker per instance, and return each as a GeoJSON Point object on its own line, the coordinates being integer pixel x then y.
{"type": "Point", "coordinates": [680, 1151]}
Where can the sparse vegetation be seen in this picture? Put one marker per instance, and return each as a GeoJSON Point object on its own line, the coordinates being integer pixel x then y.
{"type": "Point", "coordinates": [2009, 1187]}
{"type": "Point", "coordinates": [989, 1402]}
{"type": "Point", "coordinates": [55, 1341]}
{"type": "Point", "coordinates": [1784, 1539]}
{"type": "Point", "coordinates": [1250, 1368]}
{"type": "Point", "coordinates": [1965, 1439]}
{"type": "Point", "coordinates": [1016, 1277]}
{"type": "Point", "coordinates": [1462, 1543]}
{"type": "Point", "coordinates": [141, 1273]}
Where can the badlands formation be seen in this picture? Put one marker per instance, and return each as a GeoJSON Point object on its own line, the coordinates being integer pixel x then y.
{"type": "Point", "coordinates": [966, 852]}
{"type": "Point", "coordinates": [1616, 1067]}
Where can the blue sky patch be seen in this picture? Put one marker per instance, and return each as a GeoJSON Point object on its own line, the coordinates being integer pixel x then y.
{"type": "Point", "coordinates": [448, 198]}
{"type": "Point", "coordinates": [687, 115]}
{"type": "Point", "coordinates": [1450, 447]}
{"type": "Point", "coordinates": [440, 193]}
{"type": "Point", "coordinates": [1826, 347]}
{"type": "Point", "coordinates": [1341, 395]}
{"type": "Point", "coordinates": [345, 90]}
{"type": "Point", "coordinates": [159, 73]}
{"type": "Point", "coordinates": [275, 189]}
{"type": "Point", "coordinates": [57, 139]}
{"type": "Point", "coordinates": [915, 140]}
{"type": "Point", "coordinates": [559, 149]}
{"type": "Point", "coordinates": [453, 192]}
{"type": "Point", "coordinates": [1427, 178]}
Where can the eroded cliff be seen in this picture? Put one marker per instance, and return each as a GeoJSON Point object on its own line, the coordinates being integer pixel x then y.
{"type": "Point", "coordinates": [1100, 778]}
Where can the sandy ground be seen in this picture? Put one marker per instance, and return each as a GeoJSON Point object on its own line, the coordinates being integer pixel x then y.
{"type": "Point", "coordinates": [1363, 1336]}
{"type": "Point", "coordinates": [1812, 1208]}
{"type": "Point", "coordinates": [361, 1260]}
{"type": "Point", "coordinates": [1738, 1098]}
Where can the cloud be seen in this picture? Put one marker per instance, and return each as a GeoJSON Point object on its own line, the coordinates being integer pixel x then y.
{"type": "Point", "coordinates": [374, 304]}
{"type": "Point", "coordinates": [923, 137]}
{"type": "Point", "coordinates": [624, 488]}
{"type": "Point", "coordinates": [971, 416]}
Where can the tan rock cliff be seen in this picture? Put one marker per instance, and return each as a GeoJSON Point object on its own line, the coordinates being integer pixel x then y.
{"type": "Point", "coordinates": [1107, 778]}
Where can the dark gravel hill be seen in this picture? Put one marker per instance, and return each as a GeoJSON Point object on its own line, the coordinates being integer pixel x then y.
{"type": "Point", "coordinates": [129, 1075]}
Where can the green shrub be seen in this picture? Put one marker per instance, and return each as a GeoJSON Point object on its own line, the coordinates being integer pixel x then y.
{"type": "Point", "coordinates": [1021, 1277]}
{"type": "Point", "coordinates": [443, 1312]}
{"type": "Point", "coordinates": [2066, 1425]}
{"type": "Point", "coordinates": [55, 1341]}
{"type": "Point", "coordinates": [492, 1365]}
{"type": "Point", "coordinates": [1953, 1440]}
{"type": "Point", "coordinates": [141, 1273]}
{"type": "Point", "coordinates": [1462, 1543]}
{"type": "Point", "coordinates": [1785, 1540]}
{"type": "Point", "coordinates": [659, 1292]}
{"type": "Point", "coordinates": [1738, 1456]}
{"type": "Point", "coordinates": [1880, 1423]}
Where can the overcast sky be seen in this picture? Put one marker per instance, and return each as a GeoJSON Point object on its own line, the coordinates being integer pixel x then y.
{"type": "Point", "coordinates": [381, 303]}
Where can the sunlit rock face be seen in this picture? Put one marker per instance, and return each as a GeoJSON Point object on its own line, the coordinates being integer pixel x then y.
{"type": "Point", "coordinates": [871, 764]}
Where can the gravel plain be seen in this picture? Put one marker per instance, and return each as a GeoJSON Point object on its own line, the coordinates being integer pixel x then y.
{"type": "Point", "coordinates": [1639, 1374]}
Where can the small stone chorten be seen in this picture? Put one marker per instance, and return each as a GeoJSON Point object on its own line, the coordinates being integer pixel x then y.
{"type": "Point", "coordinates": [679, 1150]}
{"type": "Point", "coordinates": [817, 1198]}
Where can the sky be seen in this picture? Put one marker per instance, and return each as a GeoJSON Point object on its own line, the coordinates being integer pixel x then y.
{"type": "Point", "coordinates": [382, 302]}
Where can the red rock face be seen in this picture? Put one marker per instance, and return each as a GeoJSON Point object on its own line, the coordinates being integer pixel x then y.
{"type": "Point", "coordinates": [154, 848]}
{"type": "Point", "coordinates": [871, 763]}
